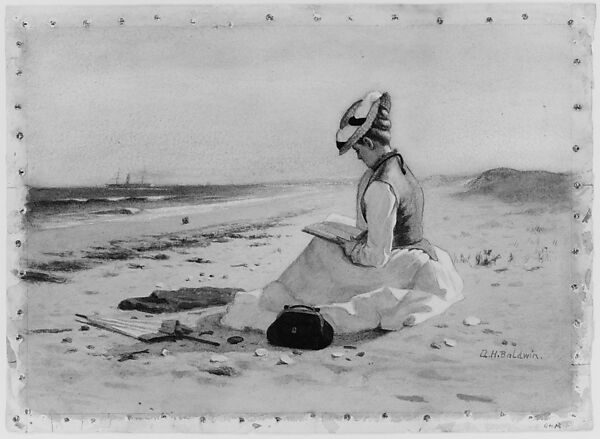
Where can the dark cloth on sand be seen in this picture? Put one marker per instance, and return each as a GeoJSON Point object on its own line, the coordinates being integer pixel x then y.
{"type": "Point", "coordinates": [161, 301]}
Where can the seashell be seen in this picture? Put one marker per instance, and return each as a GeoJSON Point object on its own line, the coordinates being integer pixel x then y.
{"type": "Point", "coordinates": [261, 352]}
{"type": "Point", "coordinates": [218, 358]}
{"type": "Point", "coordinates": [449, 342]}
{"type": "Point", "coordinates": [360, 354]}
{"type": "Point", "coordinates": [337, 354]}
{"type": "Point", "coordinates": [285, 359]}
{"type": "Point", "coordinates": [164, 352]}
{"type": "Point", "coordinates": [435, 345]}
{"type": "Point", "coordinates": [471, 321]}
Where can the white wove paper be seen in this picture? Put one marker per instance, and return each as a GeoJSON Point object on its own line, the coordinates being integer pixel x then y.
{"type": "Point", "coordinates": [256, 93]}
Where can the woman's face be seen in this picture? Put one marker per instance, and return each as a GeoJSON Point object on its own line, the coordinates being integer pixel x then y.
{"type": "Point", "coordinates": [365, 151]}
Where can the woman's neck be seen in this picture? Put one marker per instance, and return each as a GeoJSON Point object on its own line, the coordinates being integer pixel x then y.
{"type": "Point", "coordinates": [386, 154]}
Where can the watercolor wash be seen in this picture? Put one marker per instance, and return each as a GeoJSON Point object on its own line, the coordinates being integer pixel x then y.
{"type": "Point", "coordinates": [181, 177]}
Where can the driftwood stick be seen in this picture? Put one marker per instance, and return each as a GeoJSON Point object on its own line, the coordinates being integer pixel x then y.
{"type": "Point", "coordinates": [131, 355]}
{"type": "Point", "coordinates": [201, 340]}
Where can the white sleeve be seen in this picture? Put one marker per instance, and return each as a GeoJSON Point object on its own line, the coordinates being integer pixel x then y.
{"type": "Point", "coordinates": [381, 220]}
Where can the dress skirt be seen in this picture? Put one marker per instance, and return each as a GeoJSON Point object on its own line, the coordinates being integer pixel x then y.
{"type": "Point", "coordinates": [407, 290]}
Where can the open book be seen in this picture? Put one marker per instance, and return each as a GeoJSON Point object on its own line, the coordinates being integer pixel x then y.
{"type": "Point", "coordinates": [334, 231]}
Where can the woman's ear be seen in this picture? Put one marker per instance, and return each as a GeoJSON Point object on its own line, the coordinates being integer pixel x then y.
{"type": "Point", "coordinates": [369, 143]}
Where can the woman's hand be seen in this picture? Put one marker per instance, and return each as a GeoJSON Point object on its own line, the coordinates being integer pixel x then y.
{"type": "Point", "coordinates": [349, 246]}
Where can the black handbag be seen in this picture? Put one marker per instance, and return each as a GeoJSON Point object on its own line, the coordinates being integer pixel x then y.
{"type": "Point", "coordinates": [301, 327]}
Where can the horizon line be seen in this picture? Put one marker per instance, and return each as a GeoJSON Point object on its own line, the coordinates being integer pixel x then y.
{"type": "Point", "coordinates": [297, 181]}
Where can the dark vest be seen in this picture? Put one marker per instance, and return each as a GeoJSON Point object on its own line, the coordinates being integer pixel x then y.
{"type": "Point", "coordinates": [408, 231]}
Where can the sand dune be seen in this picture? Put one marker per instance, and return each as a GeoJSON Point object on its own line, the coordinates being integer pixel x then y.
{"type": "Point", "coordinates": [511, 185]}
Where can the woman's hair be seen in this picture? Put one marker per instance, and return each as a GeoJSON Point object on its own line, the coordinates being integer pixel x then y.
{"type": "Point", "coordinates": [380, 129]}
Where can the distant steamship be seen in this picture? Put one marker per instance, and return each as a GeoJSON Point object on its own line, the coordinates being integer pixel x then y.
{"type": "Point", "coordinates": [128, 184]}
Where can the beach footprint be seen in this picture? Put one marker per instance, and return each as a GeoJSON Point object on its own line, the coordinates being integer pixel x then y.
{"type": "Point", "coordinates": [470, 398]}
{"type": "Point", "coordinates": [411, 398]}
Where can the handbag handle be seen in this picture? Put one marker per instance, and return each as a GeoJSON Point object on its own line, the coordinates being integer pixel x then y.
{"type": "Point", "coordinates": [312, 308]}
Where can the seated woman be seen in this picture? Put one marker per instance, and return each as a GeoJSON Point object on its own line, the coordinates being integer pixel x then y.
{"type": "Point", "coordinates": [391, 276]}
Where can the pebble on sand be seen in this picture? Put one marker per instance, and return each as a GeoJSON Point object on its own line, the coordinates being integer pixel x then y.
{"type": "Point", "coordinates": [435, 345]}
{"type": "Point", "coordinates": [223, 371]}
{"type": "Point", "coordinates": [137, 266]}
{"type": "Point", "coordinates": [285, 359]}
{"type": "Point", "coordinates": [471, 321]}
{"type": "Point", "coordinates": [218, 358]}
{"type": "Point", "coordinates": [337, 354]}
{"type": "Point", "coordinates": [84, 328]}
{"type": "Point", "coordinates": [449, 342]}
{"type": "Point", "coordinates": [235, 339]}
{"type": "Point", "coordinates": [67, 340]}
{"type": "Point", "coordinates": [296, 352]}
{"type": "Point", "coordinates": [261, 352]}
{"type": "Point", "coordinates": [360, 354]}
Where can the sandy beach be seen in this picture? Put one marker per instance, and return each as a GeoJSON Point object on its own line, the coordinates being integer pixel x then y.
{"type": "Point", "coordinates": [516, 362]}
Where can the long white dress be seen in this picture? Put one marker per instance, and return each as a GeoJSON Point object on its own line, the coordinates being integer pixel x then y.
{"type": "Point", "coordinates": [373, 287]}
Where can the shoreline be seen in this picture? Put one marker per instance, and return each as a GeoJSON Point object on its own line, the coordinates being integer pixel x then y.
{"type": "Point", "coordinates": [133, 213]}
{"type": "Point", "coordinates": [142, 247]}
{"type": "Point", "coordinates": [75, 239]}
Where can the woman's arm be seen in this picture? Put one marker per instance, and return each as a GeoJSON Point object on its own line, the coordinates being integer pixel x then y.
{"type": "Point", "coordinates": [381, 219]}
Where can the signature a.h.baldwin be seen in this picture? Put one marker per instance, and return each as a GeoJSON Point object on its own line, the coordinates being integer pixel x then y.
{"type": "Point", "coordinates": [513, 354]}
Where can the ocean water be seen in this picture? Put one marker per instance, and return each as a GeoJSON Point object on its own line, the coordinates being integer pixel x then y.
{"type": "Point", "coordinates": [63, 207]}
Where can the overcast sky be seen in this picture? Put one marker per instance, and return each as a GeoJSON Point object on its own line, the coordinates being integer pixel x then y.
{"type": "Point", "coordinates": [195, 104]}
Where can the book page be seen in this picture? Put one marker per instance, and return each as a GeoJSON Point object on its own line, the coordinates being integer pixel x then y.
{"type": "Point", "coordinates": [333, 231]}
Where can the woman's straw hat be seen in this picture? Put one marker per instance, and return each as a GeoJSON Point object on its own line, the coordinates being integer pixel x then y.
{"type": "Point", "coordinates": [359, 117]}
